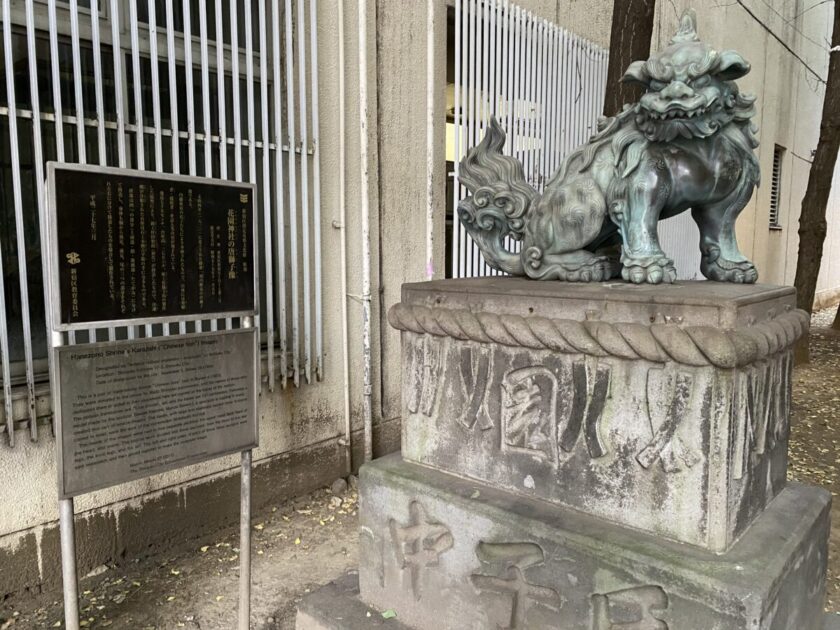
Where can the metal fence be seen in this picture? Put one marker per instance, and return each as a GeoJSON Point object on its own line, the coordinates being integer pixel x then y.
{"type": "Point", "coordinates": [224, 89]}
{"type": "Point", "coordinates": [546, 87]}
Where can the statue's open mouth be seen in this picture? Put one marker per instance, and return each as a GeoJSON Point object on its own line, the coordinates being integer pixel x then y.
{"type": "Point", "coordinates": [677, 113]}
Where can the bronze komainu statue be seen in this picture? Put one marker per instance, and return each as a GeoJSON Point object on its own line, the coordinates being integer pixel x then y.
{"type": "Point", "coordinates": [687, 143]}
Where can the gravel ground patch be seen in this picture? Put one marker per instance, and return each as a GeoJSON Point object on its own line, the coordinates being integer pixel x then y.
{"type": "Point", "coordinates": [815, 431]}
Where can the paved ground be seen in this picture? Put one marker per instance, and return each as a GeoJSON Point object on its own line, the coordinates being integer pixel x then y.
{"type": "Point", "coordinates": [308, 542]}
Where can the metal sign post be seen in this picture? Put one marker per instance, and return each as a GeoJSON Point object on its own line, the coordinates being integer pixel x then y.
{"type": "Point", "coordinates": [130, 249]}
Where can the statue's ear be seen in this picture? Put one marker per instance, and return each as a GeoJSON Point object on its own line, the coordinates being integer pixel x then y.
{"type": "Point", "coordinates": [636, 73]}
{"type": "Point", "coordinates": [731, 65]}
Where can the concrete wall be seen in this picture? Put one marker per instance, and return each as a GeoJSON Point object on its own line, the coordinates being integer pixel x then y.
{"type": "Point", "coordinates": [300, 428]}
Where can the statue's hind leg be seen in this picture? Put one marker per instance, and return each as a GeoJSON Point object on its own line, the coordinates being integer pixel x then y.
{"type": "Point", "coordinates": [721, 259]}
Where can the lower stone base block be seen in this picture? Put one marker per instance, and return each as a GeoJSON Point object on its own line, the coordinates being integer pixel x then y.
{"type": "Point", "coordinates": [444, 552]}
{"type": "Point", "coordinates": [338, 606]}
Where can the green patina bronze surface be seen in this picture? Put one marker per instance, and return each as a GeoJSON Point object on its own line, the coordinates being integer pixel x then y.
{"type": "Point", "coordinates": [687, 144]}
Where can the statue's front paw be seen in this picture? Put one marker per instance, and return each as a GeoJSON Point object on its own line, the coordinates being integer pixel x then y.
{"type": "Point", "coordinates": [722, 270]}
{"type": "Point", "coordinates": [657, 270]}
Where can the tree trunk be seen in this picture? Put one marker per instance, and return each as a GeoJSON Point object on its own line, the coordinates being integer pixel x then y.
{"type": "Point", "coordinates": [632, 26]}
{"type": "Point", "coordinates": [812, 223]}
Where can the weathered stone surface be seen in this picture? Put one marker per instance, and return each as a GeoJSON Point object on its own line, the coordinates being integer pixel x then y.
{"type": "Point", "coordinates": [337, 606]}
{"type": "Point", "coordinates": [662, 409]}
{"type": "Point", "coordinates": [340, 607]}
{"type": "Point", "coordinates": [444, 552]}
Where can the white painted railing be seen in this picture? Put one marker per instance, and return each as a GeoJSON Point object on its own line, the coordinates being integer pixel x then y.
{"type": "Point", "coordinates": [71, 94]}
{"type": "Point", "coordinates": [546, 87]}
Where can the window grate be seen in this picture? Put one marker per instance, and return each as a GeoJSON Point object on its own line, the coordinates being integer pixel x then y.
{"type": "Point", "coordinates": [776, 186]}
{"type": "Point", "coordinates": [84, 82]}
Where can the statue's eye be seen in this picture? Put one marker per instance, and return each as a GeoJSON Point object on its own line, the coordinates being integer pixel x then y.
{"type": "Point", "coordinates": [701, 81]}
{"type": "Point", "coordinates": [656, 85]}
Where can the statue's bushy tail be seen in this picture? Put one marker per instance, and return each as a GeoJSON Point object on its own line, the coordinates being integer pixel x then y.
{"type": "Point", "coordinates": [499, 202]}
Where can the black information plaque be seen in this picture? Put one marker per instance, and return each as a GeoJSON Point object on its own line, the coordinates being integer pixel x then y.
{"type": "Point", "coordinates": [134, 245]}
{"type": "Point", "coordinates": [131, 409]}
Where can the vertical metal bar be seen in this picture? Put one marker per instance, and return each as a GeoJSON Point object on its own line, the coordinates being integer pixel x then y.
{"type": "Point", "coordinates": [19, 232]}
{"type": "Point", "coordinates": [205, 88]}
{"type": "Point", "coordinates": [138, 93]}
{"type": "Point", "coordinates": [538, 103]}
{"type": "Point", "coordinates": [559, 77]}
{"type": "Point", "coordinates": [480, 107]}
{"type": "Point", "coordinates": [39, 182]}
{"type": "Point", "coordinates": [252, 138]}
{"type": "Point", "coordinates": [69, 576]}
{"type": "Point", "coordinates": [548, 145]}
{"type": "Point", "coordinates": [153, 50]}
{"type": "Point", "coordinates": [519, 67]}
{"type": "Point", "coordinates": [544, 65]}
{"type": "Point", "coordinates": [567, 92]}
{"type": "Point", "coordinates": [290, 126]}
{"type": "Point", "coordinates": [510, 70]}
{"type": "Point", "coordinates": [466, 44]}
{"type": "Point", "coordinates": [574, 95]}
{"type": "Point", "coordinates": [77, 81]}
{"type": "Point", "coordinates": [138, 102]}
{"type": "Point", "coordinates": [220, 83]}
{"type": "Point", "coordinates": [97, 77]}
{"type": "Point", "coordinates": [304, 194]}
{"type": "Point", "coordinates": [118, 78]}
{"type": "Point", "coordinates": [554, 76]}
{"type": "Point", "coordinates": [237, 112]}
{"type": "Point", "coordinates": [266, 194]}
{"type": "Point", "coordinates": [188, 75]}
{"type": "Point", "coordinates": [471, 124]}
{"type": "Point", "coordinates": [528, 46]}
{"type": "Point", "coordinates": [220, 87]}
{"type": "Point", "coordinates": [172, 66]}
{"type": "Point", "coordinates": [4, 330]}
{"type": "Point", "coordinates": [316, 189]}
{"type": "Point", "coordinates": [485, 42]}
{"type": "Point", "coordinates": [56, 83]}
{"type": "Point", "coordinates": [189, 87]}
{"type": "Point", "coordinates": [587, 90]}
{"type": "Point", "coordinates": [245, 543]}
{"type": "Point", "coordinates": [495, 62]}
{"type": "Point", "coordinates": [119, 104]}
{"type": "Point", "coordinates": [153, 65]}
{"type": "Point", "coordinates": [279, 188]}
{"type": "Point", "coordinates": [458, 120]}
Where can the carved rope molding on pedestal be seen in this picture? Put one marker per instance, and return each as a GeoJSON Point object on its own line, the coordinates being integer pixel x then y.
{"type": "Point", "coordinates": [689, 345]}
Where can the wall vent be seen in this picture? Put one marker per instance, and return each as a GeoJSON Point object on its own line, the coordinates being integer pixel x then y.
{"type": "Point", "coordinates": [775, 187]}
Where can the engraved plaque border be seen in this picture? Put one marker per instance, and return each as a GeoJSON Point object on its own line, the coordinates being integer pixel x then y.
{"type": "Point", "coordinates": [51, 254]}
{"type": "Point", "coordinates": [61, 425]}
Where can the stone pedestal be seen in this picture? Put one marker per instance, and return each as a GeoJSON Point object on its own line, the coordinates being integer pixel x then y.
{"type": "Point", "coordinates": [595, 457]}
